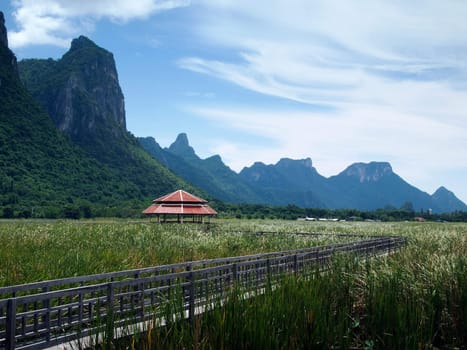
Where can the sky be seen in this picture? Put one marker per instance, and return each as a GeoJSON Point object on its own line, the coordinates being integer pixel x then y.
{"type": "Point", "coordinates": [337, 81]}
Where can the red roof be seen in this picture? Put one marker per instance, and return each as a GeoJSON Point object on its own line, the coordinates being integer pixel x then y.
{"type": "Point", "coordinates": [179, 202]}
{"type": "Point", "coordinates": [179, 196]}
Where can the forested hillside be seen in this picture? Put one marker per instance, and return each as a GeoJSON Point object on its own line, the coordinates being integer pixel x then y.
{"type": "Point", "coordinates": [44, 172]}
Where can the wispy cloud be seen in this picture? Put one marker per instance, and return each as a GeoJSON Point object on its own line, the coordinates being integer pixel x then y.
{"type": "Point", "coordinates": [328, 51]}
{"type": "Point", "coordinates": [414, 144]}
{"type": "Point", "coordinates": [55, 22]}
{"type": "Point", "coordinates": [392, 72]}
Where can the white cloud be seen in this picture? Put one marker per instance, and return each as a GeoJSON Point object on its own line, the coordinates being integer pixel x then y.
{"type": "Point", "coordinates": [393, 73]}
{"type": "Point", "coordinates": [415, 145]}
{"type": "Point", "coordinates": [55, 22]}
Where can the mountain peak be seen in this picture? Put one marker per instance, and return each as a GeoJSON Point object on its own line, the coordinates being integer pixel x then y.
{"type": "Point", "coordinates": [368, 172]}
{"type": "Point", "coordinates": [442, 190]}
{"type": "Point", "coordinates": [182, 140]}
{"type": "Point", "coordinates": [448, 200]}
{"type": "Point", "coordinates": [81, 42]}
{"type": "Point", "coordinates": [287, 162]}
{"type": "Point", "coordinates": [3, 32]}
{"type": "Point", "coordinates": [81, 93]}
{"type": "Point", "coordinates": [181, 147]}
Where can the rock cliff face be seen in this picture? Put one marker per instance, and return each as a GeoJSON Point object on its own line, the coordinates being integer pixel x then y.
{"type": "Point", "coordinates": [3, 33]}
{"type": "Point", "coordinates": [371, 172]}
{"type": "Point", "coordinates": [8, 59]}
{"type": "Point", "coordinates": [182, 148]}
{"type": "Point", "coordinates": [82, 96]}
{"type": "Point", "coordinates": [80, 91]}
{"type": "Point", "coordinates": [42, 174]}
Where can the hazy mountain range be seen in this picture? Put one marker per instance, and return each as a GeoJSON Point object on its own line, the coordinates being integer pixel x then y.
{"type": "Point", "coordinates": [363, 186]}
{"type": "Point", "coordinates": [65, 146]}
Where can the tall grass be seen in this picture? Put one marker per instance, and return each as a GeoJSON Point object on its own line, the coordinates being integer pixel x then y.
{"type": "Point", "coordinates": [413, 299]}
{"type": "Point", "coordinates": [34, 250]}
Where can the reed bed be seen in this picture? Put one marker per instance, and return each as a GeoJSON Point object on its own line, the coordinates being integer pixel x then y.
{"type": "Point", "coordinates": [35, 250]}
{"type": "Point", "coordinates": [413, 299]}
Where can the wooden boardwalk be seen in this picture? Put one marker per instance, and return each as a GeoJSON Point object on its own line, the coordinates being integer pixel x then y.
{"type": "Point", "coordinates": [43, 314]}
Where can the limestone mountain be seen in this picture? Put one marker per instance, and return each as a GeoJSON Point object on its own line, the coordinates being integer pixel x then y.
{"type": "Point", "coordinates": [210, 174]}
{"type": "Point", "coordinates": [374, 185]}
{"type": "Point", "coordinates": [41, 172]}
{"type": "Point", "coordinates": [447, 200]}
{"type": "Point", "coordinates": [288, 182]}
{"type": "Point", "coordinates": [79, 158]}
{"type": "Point", "coordinates": [181, 147]}
{"type": "Point", "coordinates": [81, 93]}
{"type": "Point", "coordinates": [362, 186]}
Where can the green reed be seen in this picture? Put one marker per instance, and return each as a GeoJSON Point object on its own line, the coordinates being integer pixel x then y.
{"type": "Point", "coordinates": [415, 298]}
{"type": "Point", "coordinates": [412, 299]}
{"type": "Point", "coordinates": [35, 250]}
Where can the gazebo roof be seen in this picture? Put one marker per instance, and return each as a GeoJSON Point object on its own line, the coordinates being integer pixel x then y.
{"type": "Point", "coordinates": [179, 196]}
{"type": "Point", "coordinates": [179, 203]}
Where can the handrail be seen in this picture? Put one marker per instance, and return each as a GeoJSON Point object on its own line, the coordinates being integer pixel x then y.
{"type": "Point", "coordinates": [35, 287]}
{"type": "Point", "coordinates": [44, 317]}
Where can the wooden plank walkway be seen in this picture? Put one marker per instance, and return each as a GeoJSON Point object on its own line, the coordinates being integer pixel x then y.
{"type": "Point", "coordinates": [43, 314]}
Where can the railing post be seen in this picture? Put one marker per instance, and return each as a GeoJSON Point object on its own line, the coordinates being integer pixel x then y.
{"type": "Point", "coordinates": [268, 270]}
{"type": "Point", "coordinates": [110, 316]}
{"type": "Point", "coordinates": [295, 264]}
{"type": "Point", "coordinates": [47, 315]}
{"type": "Point", "coordinates": [234, 274]}
{"type": "Point", "coordinates": [191, 294]}
{"type": "Point", "coordinates": [11, 324]}
{"type": "Point", "coordinates": [80, 310]}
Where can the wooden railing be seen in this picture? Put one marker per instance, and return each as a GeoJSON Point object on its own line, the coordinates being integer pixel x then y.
{"type": "Point", "coordinates": [43, 314]}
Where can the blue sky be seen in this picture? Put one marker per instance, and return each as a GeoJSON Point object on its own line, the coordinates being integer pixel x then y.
{"type": "Point", "coordinates": [337, 81]}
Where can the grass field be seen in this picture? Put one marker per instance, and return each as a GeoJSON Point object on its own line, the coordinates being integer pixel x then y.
{"type": "Point", "coordinates": [416, 298]}
{"type": "Point", "coordinates": [32, 250]}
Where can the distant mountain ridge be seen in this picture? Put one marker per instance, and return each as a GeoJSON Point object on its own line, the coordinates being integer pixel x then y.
{"type": "Point", "coordinates": [363, 186]}
{"type": "Point", "coordinates": [210, 174]}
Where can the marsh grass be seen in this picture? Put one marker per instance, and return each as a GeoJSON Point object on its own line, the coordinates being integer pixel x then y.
{"type": "Point", "coordinates": [34, 251]}
{"type": "Point", "coordinates": [413, 299]}
{"type": "Point", "coordinates": [355, 305]}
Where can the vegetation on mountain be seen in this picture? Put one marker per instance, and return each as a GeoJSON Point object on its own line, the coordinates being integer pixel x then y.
{"type": "Point", "coordinates": [82, 94]}
{"type": "Point", "coordinates": [48, 173]}
{"type": "Point", "coordinates": [211, 174]}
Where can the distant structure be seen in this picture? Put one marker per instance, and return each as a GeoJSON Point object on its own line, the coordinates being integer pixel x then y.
{"type": "Point", "coordinates": [182, 205]}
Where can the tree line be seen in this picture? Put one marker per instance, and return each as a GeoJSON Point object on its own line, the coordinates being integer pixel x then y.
{"type": "Point", "coordinates": [133, 209]}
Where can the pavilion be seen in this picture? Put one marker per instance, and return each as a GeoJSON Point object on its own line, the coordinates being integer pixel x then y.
{"type": "Point", "coordinates": [180, 204]}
